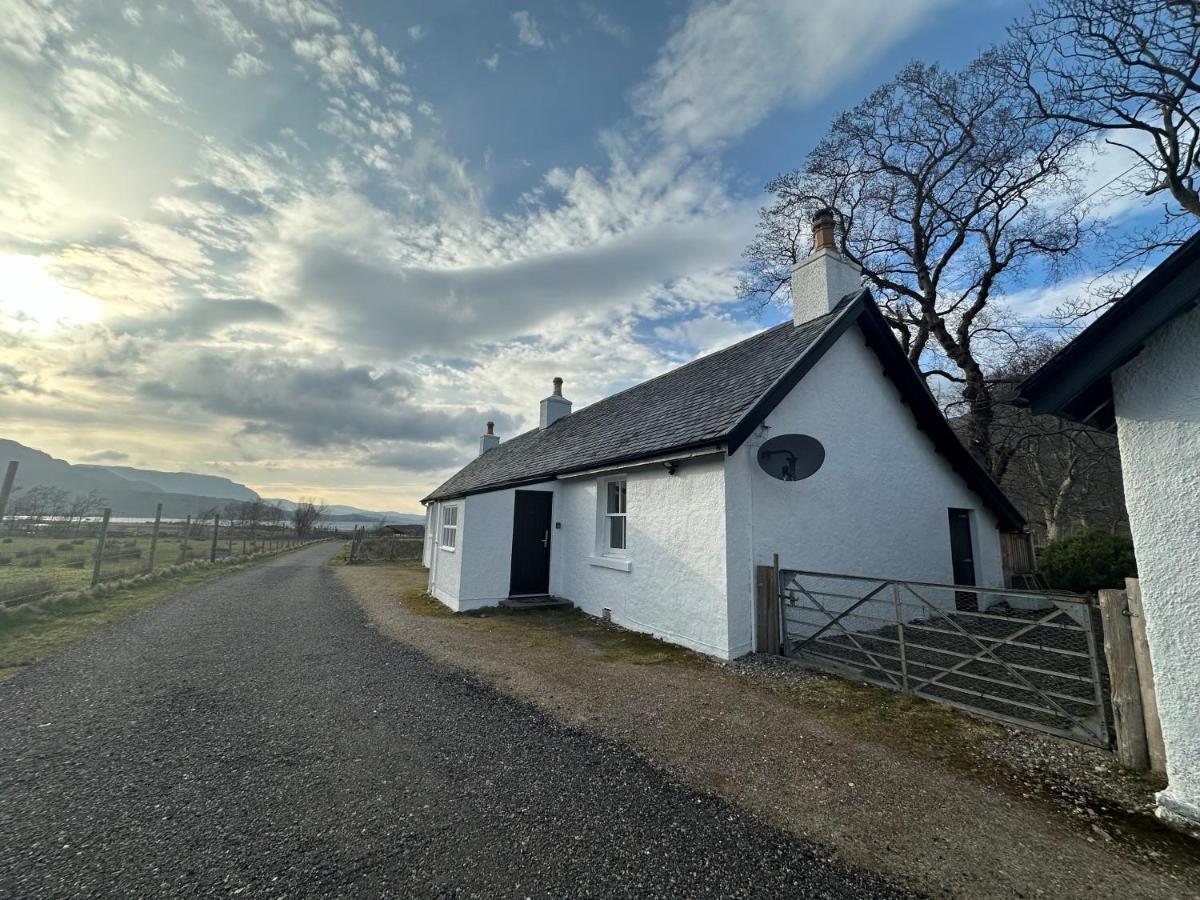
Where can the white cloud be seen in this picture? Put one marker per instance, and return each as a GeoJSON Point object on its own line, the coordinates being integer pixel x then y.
{"type": "Point", "coordinates": [218, 14]}
{"type": "Point", "coordinates": [528, 32]}
{"type": "Point", "coordinates": [27, 26]}
{"type": "Point", "coordinates": [246, 64]}
{"type": "Point", "coordinates": [492, 62]}
{"type": "Point", "coordinates": [417, 33]}
{"type": "Point", "coordinates": [604, 23]}
{"type": "Point", "coordinates": [732, 62]}
{"type": "Point", "coordinates": [132, 15]}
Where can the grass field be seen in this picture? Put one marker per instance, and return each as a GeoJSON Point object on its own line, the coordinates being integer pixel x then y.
{"type": "Point", "coordinates": [32, 631]}
{"type": "Point", "coordinates": [32, 566]}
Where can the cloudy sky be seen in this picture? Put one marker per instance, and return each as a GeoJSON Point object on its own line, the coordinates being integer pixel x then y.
{"type": "Point", "coordinates": [313, 245]}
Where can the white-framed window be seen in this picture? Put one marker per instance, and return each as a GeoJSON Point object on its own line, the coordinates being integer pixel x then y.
{"type": "Point", "coordinates": [615, 539]}
{"type": "Point", "coordinates": [449, 527]}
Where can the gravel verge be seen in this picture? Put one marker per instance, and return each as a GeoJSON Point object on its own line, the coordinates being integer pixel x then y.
{"type": "Point", "coordinates": [254, 735]}
{"type": "Point", "coordinates": [949, 803]}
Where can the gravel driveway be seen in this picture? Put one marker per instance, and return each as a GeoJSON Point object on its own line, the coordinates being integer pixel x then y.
{"type": "Point", "coordinates": [256, 735]}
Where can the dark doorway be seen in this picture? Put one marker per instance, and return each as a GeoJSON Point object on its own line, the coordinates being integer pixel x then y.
{"type": "Point", "coordinates": [531, 543]}
{"type": "Point", "coordinates": [962, 555]}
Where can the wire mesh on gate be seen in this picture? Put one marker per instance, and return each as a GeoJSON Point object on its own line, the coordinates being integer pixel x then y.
{"type": "Point", "coordinates": [1024, 657]}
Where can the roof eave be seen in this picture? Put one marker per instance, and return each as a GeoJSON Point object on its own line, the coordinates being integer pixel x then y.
{"type": "Point", "coordinates": [1075, 382]}
{"type": "Point", "coordinates": [716, 444]}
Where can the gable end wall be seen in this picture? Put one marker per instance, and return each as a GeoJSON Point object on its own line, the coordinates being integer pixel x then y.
{"type": "Point", "coordinates": [877, 506]}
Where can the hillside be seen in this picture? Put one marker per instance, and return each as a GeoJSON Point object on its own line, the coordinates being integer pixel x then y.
{"type": "Point", "coordinates": [183, 482]}
{"type": "Point", "coordinates": [133, 492]}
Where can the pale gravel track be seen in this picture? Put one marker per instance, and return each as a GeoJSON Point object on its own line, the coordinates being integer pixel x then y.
{"type": "Point", "coordinates": [254, 734]}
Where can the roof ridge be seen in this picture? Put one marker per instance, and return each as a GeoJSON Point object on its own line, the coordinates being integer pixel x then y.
{"type": "Point", "coordinates": [698, 359]}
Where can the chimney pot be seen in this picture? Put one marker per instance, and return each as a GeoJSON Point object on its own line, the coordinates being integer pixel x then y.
{"type": "Point", "coordinates": [489, 441]}
{"type": "Point", "coordinates": [554, 407]}
{"type": "Point", "coordinates": [820, 281]}
{"type": "Point", "coordinates": [824, 235]}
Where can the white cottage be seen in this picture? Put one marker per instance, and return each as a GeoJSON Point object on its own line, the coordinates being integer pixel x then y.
{"type": "Point", "coordinates": [815, 439]}
{"type": "Point", "coordinates": [1136, 371]}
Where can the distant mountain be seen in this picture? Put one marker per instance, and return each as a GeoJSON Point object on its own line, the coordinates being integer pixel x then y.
{"type": "Point", "coordinates": [126, 495]}
{"type": "Point", "coordinates": [337, 512]}
{"type": "Point", "coordinates": [184, 482]}
{"type": "Point", "coordinates": [136, 492]}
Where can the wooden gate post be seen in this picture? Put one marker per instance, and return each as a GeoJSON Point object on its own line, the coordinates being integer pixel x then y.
{"type": "Point", "coordinates": [1128, 719]}
{"type": "Point", "coordinates": [212, 556]}
{"type": "Point", "coordinates": [766, 607]}
{"type": "Point", "coordinates": [1141, 651]}
{"type": "Point", "coordinates": [187, 532]}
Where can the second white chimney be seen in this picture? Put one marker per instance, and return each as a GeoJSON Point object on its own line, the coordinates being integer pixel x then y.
{"type": "Point", "coordinates": [554, 407]}
{"type": "Point", "coordinates": [820, 281]}
{"type": "Point", "coordinates": [489, 441]}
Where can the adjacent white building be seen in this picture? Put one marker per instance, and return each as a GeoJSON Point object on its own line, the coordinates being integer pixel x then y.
{"type": "Point", "coordinates": [1136, 371]}
{"type": "Point", "coordinates": [815, 440]}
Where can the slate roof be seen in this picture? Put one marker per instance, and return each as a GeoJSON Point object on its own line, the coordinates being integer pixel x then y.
{"type": "Point", "coordinates": [716, 400]}
{"type": "Point", "coordinates": [694, 405]}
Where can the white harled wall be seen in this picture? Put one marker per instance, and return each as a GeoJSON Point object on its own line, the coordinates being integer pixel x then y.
{"type": "Point", "coordinates": [675, 584]}
{"type": "Point", "coordinates": [1157, 400]}
{"type": "Point", "coordinates": [878, 504]}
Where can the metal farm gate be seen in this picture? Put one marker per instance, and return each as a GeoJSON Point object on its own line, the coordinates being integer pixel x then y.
{"type": "Point", "coordinates": [1028, 658]}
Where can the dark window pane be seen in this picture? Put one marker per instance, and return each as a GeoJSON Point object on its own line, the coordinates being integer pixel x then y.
{"type": "Point", "coordinates": [616, 532]}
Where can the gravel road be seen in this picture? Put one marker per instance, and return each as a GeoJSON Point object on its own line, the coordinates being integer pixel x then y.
{"type": "Point", "coordinates": [255, 735]}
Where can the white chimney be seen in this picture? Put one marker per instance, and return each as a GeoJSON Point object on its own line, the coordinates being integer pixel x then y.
{"type": "Point", "coordinates": [824, 278]}
{"type": "Point", "coordinates": [489, 440]}
{"type": "Point", "coordinates": [555, 406]}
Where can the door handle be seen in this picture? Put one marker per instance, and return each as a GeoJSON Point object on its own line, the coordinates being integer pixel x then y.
{"type": "Point", "coordinates": [546, 540]}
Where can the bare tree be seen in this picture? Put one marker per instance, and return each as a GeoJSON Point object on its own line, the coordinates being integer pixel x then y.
{"type": "Point", "coordinates": [945, 185]}
{"type": "Point", "coordinates": [1126, 67]}
{"type": "Point", "coordinates": [305, 517]}
{"type": "Point", "coordinates": [1062, 474]}
{"type": "Point", "coordinates": [41, 502]}
{"type": "Point", "coordinates": [83, 505]}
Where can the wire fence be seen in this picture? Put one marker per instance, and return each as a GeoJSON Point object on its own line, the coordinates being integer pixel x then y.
{"type": "Point", "coordinates": [41, 556]}
{"type": "Point", "coordinates": [367, 547]}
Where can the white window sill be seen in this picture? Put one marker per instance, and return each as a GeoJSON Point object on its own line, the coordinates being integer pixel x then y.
{"type": "Point", "coordinates": [611, 562]}
{"type": "Point", "coordinates": [448, 549]}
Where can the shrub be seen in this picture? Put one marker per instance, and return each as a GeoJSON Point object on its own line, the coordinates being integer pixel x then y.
{"type": "Point", "coordinates": [21, 554]}
{"type": "Point", "coordinates": [1088, 561]}
{"type": "Point", "coordinates": [65, 545]}
{"type": "Point", "coordinates": [5, 560]}
{"type": "Point", "coordinates": [34, 562]}
{"type": "Point", "coordinates": [6, 541]}
{"type": "Point", "coordinates": [76, 564]}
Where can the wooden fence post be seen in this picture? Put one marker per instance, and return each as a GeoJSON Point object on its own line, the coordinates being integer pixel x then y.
{"type": "Point", "coordinates": [212, 556]}
{"type": "Point", "coordinates": [154, 536]}
{"type": "Point", "coordinates": [1128, 719]}
{"type": "Point", "coordinates": [187, 533]}
{"type": "Point", "coordinates": [6, 489]}
{"type": "Point", "coordinates": [100, 547]}
{"type": "Point", "coordinates": [1141, 652]}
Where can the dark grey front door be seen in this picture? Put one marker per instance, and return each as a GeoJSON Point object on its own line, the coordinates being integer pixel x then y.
{"type": "Point", "coordinates": [962, 555]}
{"type": "Point", "coordinates": [531, 543]}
